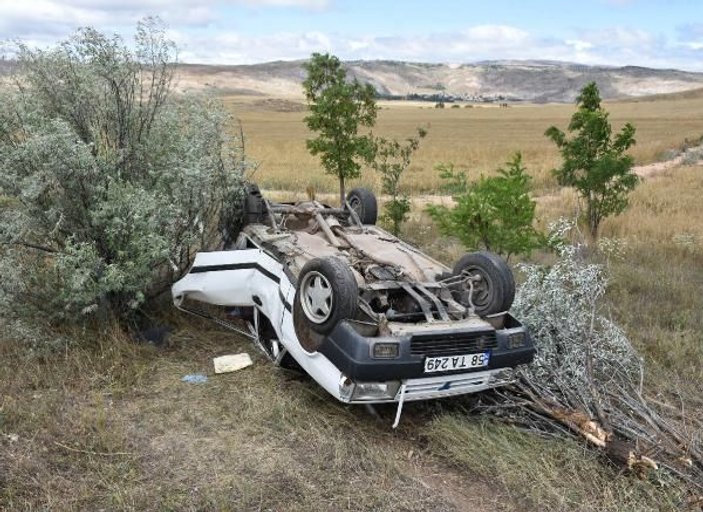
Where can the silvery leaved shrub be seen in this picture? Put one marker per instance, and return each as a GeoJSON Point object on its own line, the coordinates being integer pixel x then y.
{"type": "Point", "coordinates": [582, 355]}
{"type": "Point", "coordinates": [109, 180]}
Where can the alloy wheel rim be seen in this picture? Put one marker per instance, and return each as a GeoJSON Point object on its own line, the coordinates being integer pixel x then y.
{"type": "Point", "coordinates": [316, 297]}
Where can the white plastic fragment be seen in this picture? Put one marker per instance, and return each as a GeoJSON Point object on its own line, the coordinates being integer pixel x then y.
{"type": "Point", "coordinates": [232, 363]}
{"type": "Point", "coordinates": [399, 410]}
{"type": "Point", "coordinates": [194, 378]}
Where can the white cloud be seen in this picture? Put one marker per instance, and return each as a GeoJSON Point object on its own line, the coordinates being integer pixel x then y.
{"type": "Point", "coordinates": [197, 28]}
{"type": "Point", "coordinates": [47, 11]}
{"type": "Point", "coordinates": [47, 20]}
{"type": "Point", "coordinates": [359, 44]}
{"type": "Point", "coordinates": [500, 34]}
{"type": "Point", "coordinates": [314, 41]}
{"type": "Point", "coordinates": [307, 4]}
{"type": "Point", "coordinates": [621, 36]}
{"type": "Point", "coordinates": [579, 45]}
{"type": "Point", "coordinates": [617, 46]}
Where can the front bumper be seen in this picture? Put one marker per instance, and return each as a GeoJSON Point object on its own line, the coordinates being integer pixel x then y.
{"type": "Point", "coordinates": [350, 352]}
{"type": "Point", "coordinates": [428, 388]}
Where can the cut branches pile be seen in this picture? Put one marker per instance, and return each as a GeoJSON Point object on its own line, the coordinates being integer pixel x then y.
{"type": "Point", "coordinates": [587, 380]}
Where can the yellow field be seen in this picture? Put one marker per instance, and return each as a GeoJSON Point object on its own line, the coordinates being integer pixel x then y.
{"type": "Point", "coordinates": [481, 137]}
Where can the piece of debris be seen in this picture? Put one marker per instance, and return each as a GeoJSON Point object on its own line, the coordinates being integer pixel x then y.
{"type": "Point", "coordinates": [579, 422]}
{"type": "Point", "coordinates": [642, 465]}
{"type": "Point", "coordinates": [194, 378]}
{"type": "Point", "coordinates": [232, 362]}
{"type": "Point", "coordinates": [12, 438]}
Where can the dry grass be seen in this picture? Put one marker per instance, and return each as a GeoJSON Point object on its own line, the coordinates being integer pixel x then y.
{"type": "Point", "coordinates": [665, 209]}
{"type": "Point", "coordinates": [545, 474]}
{"type": "Point", "coordinates": [107, 424]}
{"type": "Point", "coordinates": [658, 287]}
{"type": "Point", "coordinates": [481, 138]}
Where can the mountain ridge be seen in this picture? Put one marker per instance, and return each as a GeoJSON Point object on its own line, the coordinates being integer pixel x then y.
{"type": "Point", "coordinates": [534, 81]}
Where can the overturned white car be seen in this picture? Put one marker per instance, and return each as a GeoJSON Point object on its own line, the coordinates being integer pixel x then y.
{"type": "Point", "coordinates": [372, 319]}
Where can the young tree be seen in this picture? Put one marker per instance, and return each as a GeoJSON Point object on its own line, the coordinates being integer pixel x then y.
{"type": "Point", "coordinates": [338, 108]}
{"type": "Point", "coordinates": [111, 183]}
{"type": "Point", "coordinates": [391, 160]}
{"type": "Point", "coordinates": [494, 213]}
{"type": "Point", "coordinates": [595, 163]}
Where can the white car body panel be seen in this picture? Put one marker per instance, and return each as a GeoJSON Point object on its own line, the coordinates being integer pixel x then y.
{"type": "Point", "coordinates": [233, 278]}
{"type": "Point", "coordinates": [237, 287]}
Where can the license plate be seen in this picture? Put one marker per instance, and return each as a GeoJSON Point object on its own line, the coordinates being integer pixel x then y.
{"type": "Point", "coordinates": [452, 363]}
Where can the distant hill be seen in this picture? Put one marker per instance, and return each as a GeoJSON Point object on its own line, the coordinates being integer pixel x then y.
{"type": "Point", "coordinates": [487, 81]}
{"type": "Point", "coordinates": [530, 81]}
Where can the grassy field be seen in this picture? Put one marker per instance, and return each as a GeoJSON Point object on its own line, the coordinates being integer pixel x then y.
{"type": "Point", "coordinates": [657, 292]}
{"type": "Point", "coordinates": [480, 138]}
{"type": "Point", "coordinates": [110, 426]}
{"type": "Point", "coordinates": [106, 424]}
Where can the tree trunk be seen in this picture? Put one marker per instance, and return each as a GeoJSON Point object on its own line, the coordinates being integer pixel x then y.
{"type": "Point", "coordinates": [594, 229]}
{"type": "Point", "coordinates": [593, 220]}
{"type": "Point", "coordinates": [341, 192]}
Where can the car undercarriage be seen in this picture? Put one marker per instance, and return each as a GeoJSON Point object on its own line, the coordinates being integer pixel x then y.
{"type": "Point", "coordinates": [370, 317]}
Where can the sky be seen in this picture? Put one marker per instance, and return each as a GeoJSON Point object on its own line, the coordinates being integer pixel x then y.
{"type": "Point", "coordinates": [661, 34]}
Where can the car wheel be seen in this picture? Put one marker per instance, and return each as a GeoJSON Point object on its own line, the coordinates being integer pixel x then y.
{"type": "Point", "coordinates": [495, 290]}
{"type": "Point", "coordinates": [244, 207]}
{"type": "Point", "coordinates": [327, 293]}
{"type": "Point", "coordinates": [364, 203]}
{"type": "Point", "coordinates": [254, 205]}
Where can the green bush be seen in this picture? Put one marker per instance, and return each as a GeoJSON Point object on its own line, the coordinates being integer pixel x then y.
{"type": "Point", "coordinates": [391, 160]}
{"type": "Point", "coordinates": [110, 181]}
{"type": "Point", "coordinates": [494, 213]}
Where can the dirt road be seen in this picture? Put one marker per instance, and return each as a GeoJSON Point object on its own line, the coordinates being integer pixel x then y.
{"type": "Point", "coordinates": [422, 200]}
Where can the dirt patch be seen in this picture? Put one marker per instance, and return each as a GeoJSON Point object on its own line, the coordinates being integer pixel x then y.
{"type": "Point", "coordinates": [451, 484]}
{"type": "Point", "coordinates": [653, 169]}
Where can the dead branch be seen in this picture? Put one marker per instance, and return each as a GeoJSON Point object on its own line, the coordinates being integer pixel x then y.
{"type": "Point", "coordinates": [587, 380]}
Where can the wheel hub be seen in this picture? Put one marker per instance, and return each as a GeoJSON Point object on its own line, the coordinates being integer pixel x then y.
{"type": "Point", "coordinates": [481, 288]}
{"type": "Point", "coordinates": [316, 297]}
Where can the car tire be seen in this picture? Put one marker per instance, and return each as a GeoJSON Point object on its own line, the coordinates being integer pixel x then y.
{"type": "Point", "coordinates": [245, 206]}
{"type": "Point", "coordinates": [496, 290]}
{"type": "Point", "coordinates": [504, 269]}
{"type": "Point", "coordinates": [364, 203]}
{"type": "Point", "coordinates": [254, 205]}
{"type": "Point", "coordinates": [327, 293]}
